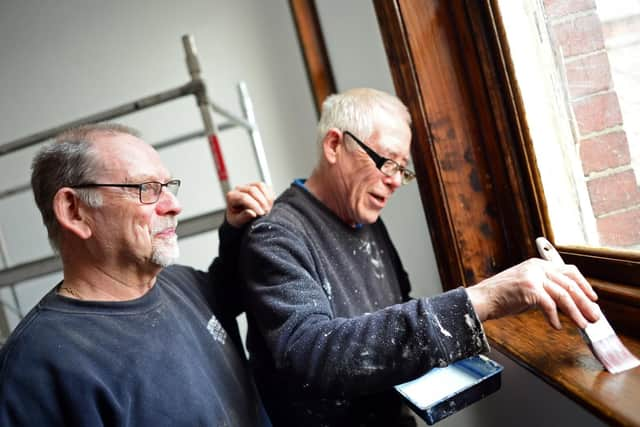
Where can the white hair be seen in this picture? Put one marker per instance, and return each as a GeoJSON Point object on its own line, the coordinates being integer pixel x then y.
{"type": "Point", "coordinates": [356, 109]}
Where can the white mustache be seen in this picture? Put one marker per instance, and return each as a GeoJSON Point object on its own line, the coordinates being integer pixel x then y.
{"type": "Point", "coordinates": [163, 223]}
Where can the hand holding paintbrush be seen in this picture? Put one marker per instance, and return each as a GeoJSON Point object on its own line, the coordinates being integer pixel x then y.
{"type": "Point", "coordinates": [540, 284]}
{"type": "Point", "coordinates": [551, 286]}
{"type": "Point", "coordinates": [602, 340]}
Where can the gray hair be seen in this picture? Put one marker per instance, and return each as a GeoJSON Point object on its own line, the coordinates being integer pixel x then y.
{"type": "Point", "coordinates": [70, 160]}
{"type": "Point", "coordinates": [356, 109]}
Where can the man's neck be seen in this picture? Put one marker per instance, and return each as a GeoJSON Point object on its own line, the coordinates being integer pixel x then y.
{"type": "Point", "coordinates": [323, 187]}
{"type": "Point", "coordinates": [99, 283]}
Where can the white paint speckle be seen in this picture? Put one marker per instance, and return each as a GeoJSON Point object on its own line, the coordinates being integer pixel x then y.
{"type": "Point", "coordinates": [327, 288]}
{"type": "Point", "coordinates": [443, 331]}
{"type": "Point", "coordinates": [216, 330]}
{"type": "Point", "coordinates": [365, 247]}
{"type": "Point", "coordinates": [469, 321]}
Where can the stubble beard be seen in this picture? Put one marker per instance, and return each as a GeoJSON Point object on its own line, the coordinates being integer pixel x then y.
{"type": "Point", "coordinates": [165, 252]}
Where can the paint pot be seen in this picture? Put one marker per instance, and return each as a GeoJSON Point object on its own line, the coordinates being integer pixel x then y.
{"type": "Point", "coordinates": [444, 391]}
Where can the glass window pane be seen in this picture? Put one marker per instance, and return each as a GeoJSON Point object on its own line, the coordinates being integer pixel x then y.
{"type": "Point", "coordinates": [577, 67]}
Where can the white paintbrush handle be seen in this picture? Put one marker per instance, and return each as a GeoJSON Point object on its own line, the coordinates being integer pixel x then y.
{"type": "Point", "coordinates": [548, 252]}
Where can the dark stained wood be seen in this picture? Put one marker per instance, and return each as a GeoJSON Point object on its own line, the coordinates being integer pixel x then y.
{"type": "Point", "coordinates": [606, 265]}
{"type": "Point", "coordinates": [424, 157]}
{"type": "Point", "coordinates": [506, 144]}
{"type": "Point", "coordinates": [305, 17]}
{"type": "Point", "coordinates": [469, 175]}
{"type": "Point", "coordinates": [563, 360]}
{"type": "Point", "coordinates": [621, 305]}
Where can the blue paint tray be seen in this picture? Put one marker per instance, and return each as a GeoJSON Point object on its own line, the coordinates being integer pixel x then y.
{"type": "Point", "coordinates": [444, 391]}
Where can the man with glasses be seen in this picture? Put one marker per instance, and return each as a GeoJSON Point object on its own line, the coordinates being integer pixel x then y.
{"type": "Point", "coordinates": [123, 340]}
{"type": "Point", "coordinates": [331, 325]}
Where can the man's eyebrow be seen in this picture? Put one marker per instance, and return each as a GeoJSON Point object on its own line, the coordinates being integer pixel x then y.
{"type": "Point", "coordinates": [392, 154]}
{"type": "Point", "coordinates": [146, 178]}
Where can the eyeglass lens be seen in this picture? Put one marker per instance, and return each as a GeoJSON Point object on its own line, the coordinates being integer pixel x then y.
{"type": "Point", "coordinates": [150, 191]}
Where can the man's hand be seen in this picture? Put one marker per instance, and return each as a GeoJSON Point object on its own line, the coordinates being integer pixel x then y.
{"type": "Point", "coordinates": [536, 283]}
{"type": "Point", "coordinates": [247, 202]}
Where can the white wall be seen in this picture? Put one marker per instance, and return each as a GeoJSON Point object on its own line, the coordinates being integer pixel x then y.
{"type": "Point", "coordinates": [62, 60]}
{"type": "Point", "coordinates": [358, 59]}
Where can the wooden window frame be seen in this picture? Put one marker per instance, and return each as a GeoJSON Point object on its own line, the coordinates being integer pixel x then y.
{"type": "Point", "coordinates": [314, 50]}
{"type": "Point", "coordinates": [477, 172]}
{"type": "Point", "coordinates": [481, 191]}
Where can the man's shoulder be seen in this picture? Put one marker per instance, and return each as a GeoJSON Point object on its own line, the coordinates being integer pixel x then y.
{"type": "Point", "coordinates": [294, 206]}
{"type": "Point", "coordinates": [37, 338]}
{"type": "Point", "coordinates": [181, 278]}
{"type": "Point", "coordinates": [287, 211]}
{"type": "Point", "coordinates": [174, 270]}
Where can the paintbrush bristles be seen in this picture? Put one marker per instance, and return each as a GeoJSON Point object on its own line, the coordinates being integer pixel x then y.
{"type": "Point", "coordinates": [613, 355]}
{"type": "Point", "coordinates": [607, 347]}
{"type": "Point", "coordinates": [600, 336]}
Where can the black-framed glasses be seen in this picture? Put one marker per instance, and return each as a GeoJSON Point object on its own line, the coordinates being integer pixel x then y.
{"type": "Point", "coordinates": [387, 166]}
{"type": "Point", "coordinates": [149, 192]}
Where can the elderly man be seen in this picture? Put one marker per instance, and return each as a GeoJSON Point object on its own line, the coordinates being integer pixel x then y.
{"type": "Point", "coordinates": [331, 325]}
{"type": "Point", "coordinates": [120, 341]}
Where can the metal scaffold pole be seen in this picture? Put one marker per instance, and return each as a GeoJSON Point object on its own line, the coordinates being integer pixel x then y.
{"type": "Point", "coordinates": [256, 139]}
{"type": "Point", "coordinates": [193, 64]}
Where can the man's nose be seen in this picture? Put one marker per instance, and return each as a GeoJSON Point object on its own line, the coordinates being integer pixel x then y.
{"type": "Point", "coordinates": [168, 204]}
{"type": "Point", "coordinates": [394, 181]}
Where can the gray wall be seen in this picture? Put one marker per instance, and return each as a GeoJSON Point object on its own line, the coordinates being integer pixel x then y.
{"type": "Point", "coordinates": [63, 60]}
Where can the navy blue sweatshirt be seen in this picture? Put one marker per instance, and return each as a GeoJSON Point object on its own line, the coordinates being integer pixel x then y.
{"type": "Point", "coordinates": [331, 324]}
{"type": "Point", "coordinates": [164, 359]}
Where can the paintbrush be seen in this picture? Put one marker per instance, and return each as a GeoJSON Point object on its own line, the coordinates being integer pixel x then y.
{"type": "Point", "coordinates": [599, 336]}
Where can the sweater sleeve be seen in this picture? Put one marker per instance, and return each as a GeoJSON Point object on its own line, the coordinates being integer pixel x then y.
{"type": "Point", "coordinates": [226, 298]}
{"type": "Point", "coordinates": [221, 287]}
{"type": "Point", "coordinates": [320, 354]}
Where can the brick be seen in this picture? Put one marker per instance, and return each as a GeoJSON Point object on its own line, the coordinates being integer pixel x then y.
{"type": "Point", "coordinates": [613, 192]}
{"type": "Point", "coordinates": [579, 36]}
{"type": "Point", "coordinates": [603, 152]}
{"type": "Point", "coordinates": [620, 230]}
{"type": "Point", "coordinates": [588, 75]}
{"type": "Point", "coordinates": [597, 113]}
{"type": "Point", "coordinates": [560, 8]}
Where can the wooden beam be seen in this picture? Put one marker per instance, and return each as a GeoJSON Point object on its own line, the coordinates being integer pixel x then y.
{"type": "Point", "coordinates": [312, 44]}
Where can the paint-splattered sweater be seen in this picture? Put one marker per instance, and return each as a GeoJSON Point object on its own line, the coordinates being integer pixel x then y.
{"type": "Point", "coordinates": [331, 324]}
{"type": "Point", "coordinates": [160, 360]}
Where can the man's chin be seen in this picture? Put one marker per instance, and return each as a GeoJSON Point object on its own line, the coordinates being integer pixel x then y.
{"type": "Point", "coordinates": [370, 217]}
{"type": "Point", "coordinates": [164, 257]}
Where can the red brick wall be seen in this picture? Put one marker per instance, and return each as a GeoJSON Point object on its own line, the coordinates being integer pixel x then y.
{"type": "Point", "coordinates": [577, 36]}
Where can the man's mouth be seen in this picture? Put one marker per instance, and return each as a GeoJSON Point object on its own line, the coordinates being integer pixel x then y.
{"type": "Point", "coordinates": [165, 228]}
{"type": "Point", "coordinates": [380, 200]}
{"type": "Point", "coordinates": [166, 232]}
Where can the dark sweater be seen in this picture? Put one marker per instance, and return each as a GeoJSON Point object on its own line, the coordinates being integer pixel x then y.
{"type": "Point", "coordinates": [331, 325]}
{"type": "Point", "coordinates": [161, 360]}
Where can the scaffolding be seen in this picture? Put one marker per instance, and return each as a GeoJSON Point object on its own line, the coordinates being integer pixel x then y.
{"type": "Point", "coordinates": [10, 276]}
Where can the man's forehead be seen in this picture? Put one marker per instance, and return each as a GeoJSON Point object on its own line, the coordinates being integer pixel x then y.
{"type": "Point", "coordinates": [393, 145]}
{"type": "Point", "coordinates": [127, 157]}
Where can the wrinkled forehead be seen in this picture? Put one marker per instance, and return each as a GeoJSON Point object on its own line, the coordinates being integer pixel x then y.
{"type": "Point", "coordinates": [392, 135]}
{"type": "Point", "coordinates": [128, 158]}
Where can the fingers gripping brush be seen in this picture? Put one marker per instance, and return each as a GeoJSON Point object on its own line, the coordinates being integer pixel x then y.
{"type": "Point", "coordinates": [600, 336]}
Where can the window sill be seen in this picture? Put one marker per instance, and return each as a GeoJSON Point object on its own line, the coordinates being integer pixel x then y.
{"type": "Point", "coordinates": [562, 359]}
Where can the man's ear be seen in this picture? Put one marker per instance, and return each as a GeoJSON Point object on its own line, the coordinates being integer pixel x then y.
{"type": "Point", "coordinates": [71, 214]}
{"type": "Point", "coordinates": [331, 145]}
